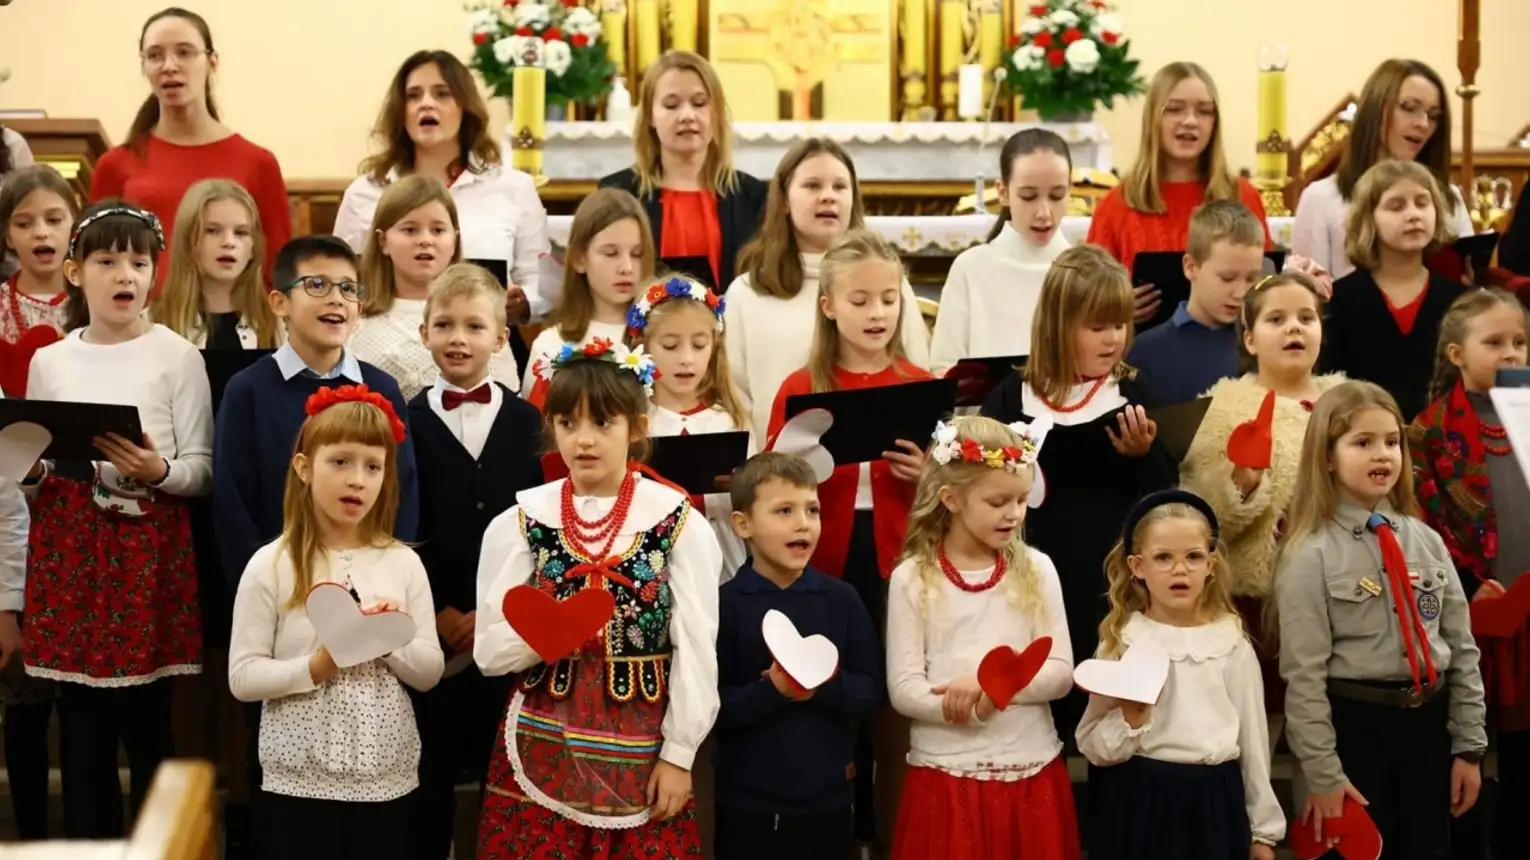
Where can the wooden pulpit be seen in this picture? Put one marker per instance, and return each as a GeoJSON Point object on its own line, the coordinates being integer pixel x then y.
{"type": "Point", "coordinates": [70, 146]}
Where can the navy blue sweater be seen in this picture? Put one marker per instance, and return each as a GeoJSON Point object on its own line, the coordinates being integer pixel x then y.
{"type": "Point", "coordinates": [775, 755]}
{"type": "Point", "coordinates": [257, 426]}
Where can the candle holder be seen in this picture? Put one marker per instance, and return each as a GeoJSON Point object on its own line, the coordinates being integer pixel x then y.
{"type": "Point", "coordinates": [1272, 148]}
{"type": "Point", "coordinates": [529, 119]}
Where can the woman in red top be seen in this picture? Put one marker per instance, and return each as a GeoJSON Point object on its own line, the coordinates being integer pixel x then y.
{"type": "Point", "coordinates": [177, 139]}
{"type": "Point", "coordinates": [700, 207]}
{"type": "Point", "coordinates": [1180, 165]}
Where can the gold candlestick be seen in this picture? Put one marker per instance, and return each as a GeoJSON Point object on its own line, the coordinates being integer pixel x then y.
{"type": "Point", "coordinates": [613, 25]}
{"type": "Point", "coordinates": [913, 54]}
{"type": "Point", "coordinates": [529, 119]}
{"type": "Point", "coordinates": [953, 16]}
{"type": "Point", "coordinates": [1272, 148]}
{"type": "Point", "coordinates": [683, 31]}
{"type": "Point", "coordinates": [647, 14]}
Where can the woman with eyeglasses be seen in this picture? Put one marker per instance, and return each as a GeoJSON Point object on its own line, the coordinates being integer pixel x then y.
{"type": "Point", "coordinates": [177, 139]}
{"type": "Point", "coordinates": [1403, 114]}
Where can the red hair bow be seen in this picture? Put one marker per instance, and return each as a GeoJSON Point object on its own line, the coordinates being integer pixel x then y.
{"type": "Point", "coordinates": [326, 397]}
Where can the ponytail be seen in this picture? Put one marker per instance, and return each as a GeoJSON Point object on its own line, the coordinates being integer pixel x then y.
{"type": "Point", "coordinates": [998, 223]}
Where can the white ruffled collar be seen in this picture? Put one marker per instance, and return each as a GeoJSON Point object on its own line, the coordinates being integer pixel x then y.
{"type": "Point", "coordinates": [1197, 644]}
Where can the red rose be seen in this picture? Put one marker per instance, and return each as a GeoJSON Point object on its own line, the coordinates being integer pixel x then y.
{"type": "Point", "coordinates": [571, 3]}
{"type": "Point", "coordinates": [598, 346]}
{"type": "Point", "coordinates": [1042, 40]}
{"type": "Point", "coordinates": [1039, 10]}
{"type": "Point", "coordinates": [524, 31]}
{"type": "Point", "coordinates": [1099, 4]}
{"type": "Point", "coordinates": [656, 294]}
{"type": "Point", "coordinates": [1012, 452]}
{"type": "Point", "coordinates": [972, 452]}
{"type": "Point", "coordinates": [552, 34]}
{"type": "Point", "coordinates": [510, 2]}
{"type": "Point", "coordinates": [1055, 57]}
{"type": "Point", "coordinates": [580, 40]}
{"type": "Point", "coordinates": [1071, 35]}
{"type": "Point", "coordinates": [1109, 38]}
{"type": "Point", "coordinates": [1014, 41]}
{"type": "Point", "coordinates": [480, 38]}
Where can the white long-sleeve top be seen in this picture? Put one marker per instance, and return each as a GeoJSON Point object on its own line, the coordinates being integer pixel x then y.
{"type": "Point", "coordinates": [508, 560]}
{"type": "Point", "coordinates": [714, 419]}
{"type": "Point", "coordinates": [940, 634]}
{"type": "Point", "coordinates": [770, 338]}
{"type": "Point", "coordinates": [161, 374]}
{"type": "Point", "coordinates": [1211, 711]}
{"type": "Point", "coordinates": [15, 528]}
{"type": "Point", "coordinates": [1322, 218]}
{"type": "Point", "coordinates": [989, 300]}
{"type": "Point", "coordinates": [391, 342]}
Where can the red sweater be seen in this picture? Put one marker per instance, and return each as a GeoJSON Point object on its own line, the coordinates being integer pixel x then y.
{"type": "Point", "coordinates": [891, 497]}
{"type": "Point", "coordinates": [1124, 231]}
{"type": "Point", "coordinates": [162, 177]}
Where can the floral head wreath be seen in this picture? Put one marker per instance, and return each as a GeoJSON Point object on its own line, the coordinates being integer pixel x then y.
{"type": "Point", "coordinates": [144, 215]}
{"type": "Point", "coordinates": [1014, 459]}
{"type": "Point", "coordinates": [327, 397]}
{"type": "Point", "coordinates": [674, 288]}
{"type": "Point", "coordinates": [602, 349]}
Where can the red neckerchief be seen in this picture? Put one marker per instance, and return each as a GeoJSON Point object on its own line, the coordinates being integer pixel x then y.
{"type": "Point", "coordinates": [1415, 637]}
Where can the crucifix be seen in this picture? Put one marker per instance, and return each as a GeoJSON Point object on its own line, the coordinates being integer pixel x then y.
{"type": "Point", "coordinates": [1468, 57]}
{"type": "Point", "coordinates": [800, 42]}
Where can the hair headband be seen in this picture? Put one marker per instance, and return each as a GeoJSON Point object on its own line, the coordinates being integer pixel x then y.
{"type": "Point", "coordinates": [147, 217]}
{"type": "Point", "coordinates": [674, 288]}
{"type": "Point", "coordinates": [1149, 502]}
{"type": "Point", "coordinates": [634, 361]}
{"type": "Point", "coordinates": [326, 397]}
{"type": "Point", "coordinates": [1014, 459]}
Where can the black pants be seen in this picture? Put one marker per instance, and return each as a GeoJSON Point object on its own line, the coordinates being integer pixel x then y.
{"type": "Point", "coordinates": [457, 721]}
{"type": "Point", "coordinates": [862, 572]}
{"type": "Point", "coordinates": [257, 816]}
{"type": "Point", "coordinates": [304, 829]}
{"type": "Point", "coordinates": [26, 765]}
{"type": "Point", "coordinates": [92, 720]}
{"type": "Point", "coordinates": [1511, 830]}
{"type": "Point", "coordinates": [763, 836]}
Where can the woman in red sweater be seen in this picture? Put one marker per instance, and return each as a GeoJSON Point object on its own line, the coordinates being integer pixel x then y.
{"type": "Point", "coordinates": [1179, 166]}
{"type": "Point", "coordinates": [177, 140]}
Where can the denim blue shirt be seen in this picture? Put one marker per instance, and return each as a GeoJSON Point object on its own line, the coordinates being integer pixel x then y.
{"type": "Point", "coordinates": [1183, 358]}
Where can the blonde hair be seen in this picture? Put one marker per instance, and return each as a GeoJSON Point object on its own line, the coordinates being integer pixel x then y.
{"type": "Point", "coordinates": [353, 423]}
{"type": "Point", "coordinates": [1085, 285]}
{"type": "Point", "coordinates": [716, 386]}
{"type": "Point", "coordinates": [1363, 240]}
{"type": "Point", "coordinates": [1467, 307]}
{"type": "Point", "coordinates": [179, 304]}
{"type": "Point", "coordinates": [772, 258]}
{"type": "Point", "coordinates": [1141, 185]}
{"type": "Point", "coordinates": [575, 306]}
{"type": "Point", "coordinates": [466, 281]}
{"type": "Point", "coordinates": [930, 520]}
{"type": "Point", "coordinates": [1222, 221]}
{"type": "Point", "coordinates": [1128, 594]}
{"type": "Point", "coordinates": [402, 197]}
{"type": "Point", "coordinates": [717, 171]}
{"type": "Point", "coordinates": [848, 251]}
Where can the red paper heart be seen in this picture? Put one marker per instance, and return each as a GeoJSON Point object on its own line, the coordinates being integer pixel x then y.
{"type": "Point", "coordinates": [1358, 837]}
{"type": "Point", "coordinates": [1502, 616]}
{"type": "Point", "coordinates": [16, 358]}
{"type": "Point", "coordinates": [1252, 442]}
{"type": "Point", "coordinates": [555, 629]}
{"type": "Point", "coordinates": [1005, 671]}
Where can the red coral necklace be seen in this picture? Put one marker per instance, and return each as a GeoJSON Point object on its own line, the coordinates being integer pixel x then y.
{"type": "Point", "coordinates": [955, 575]}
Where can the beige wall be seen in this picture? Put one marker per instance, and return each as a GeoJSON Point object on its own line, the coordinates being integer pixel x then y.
{"type": "Point", "coordinates": [305, 77]}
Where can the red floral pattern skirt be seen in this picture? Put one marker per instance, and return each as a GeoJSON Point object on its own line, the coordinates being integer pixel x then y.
{"type": "Point", "coordinates": [111, 599]}
{"type": "Point", "coordinates": [958, 818]}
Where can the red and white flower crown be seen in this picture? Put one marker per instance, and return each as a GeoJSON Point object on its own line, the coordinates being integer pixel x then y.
{"type": "Point", "coordinates": [947, 446]}
{"type": "Point", "coordinates": [633, 360]}
{"type": "Point", "coordinates": [326, 397]}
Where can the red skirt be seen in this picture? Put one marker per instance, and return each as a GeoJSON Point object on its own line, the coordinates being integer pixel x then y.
{"type": "Point", "coordinates": [111, 599]}
{"type": "Point", "coordinates": [1506, 679]}
{"type": "Point", "coordinates": [956, 818]}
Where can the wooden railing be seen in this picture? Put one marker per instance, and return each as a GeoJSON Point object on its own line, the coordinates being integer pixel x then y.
{"type": "Point", "coordinates": [179, 821]}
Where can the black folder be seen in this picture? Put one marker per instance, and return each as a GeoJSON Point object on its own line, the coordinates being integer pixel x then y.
{"type": "Point", "coordinates": [695, 461]}
{"type": "Point", "coordinates": [868, 421]}
{"type": "Point", "coordinates": [74, 425]}
{"type": "Point", "coordinates": [222, 364]}
{"type": "Point", "coordinates": [1178, 424]}
{"type": "Point", "coordinates": [978, 377]}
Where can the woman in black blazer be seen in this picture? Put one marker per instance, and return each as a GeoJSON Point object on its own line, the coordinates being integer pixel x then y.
{"type": "Point", "coordinates": [701, 209]}
{"type": "Point", "coordinates": [1514, 247]}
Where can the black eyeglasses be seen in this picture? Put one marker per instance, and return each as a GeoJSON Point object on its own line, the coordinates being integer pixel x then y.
{"type": "Point", "coordinates": [319, 286]}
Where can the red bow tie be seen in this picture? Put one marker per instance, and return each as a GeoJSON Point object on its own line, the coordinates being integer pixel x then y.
{"type": "Point", "coordinates": [450, 400]}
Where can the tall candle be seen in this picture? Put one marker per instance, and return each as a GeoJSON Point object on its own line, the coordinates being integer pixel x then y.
{"type": "Point", "coordinates": [647, 14]}
{"type": "Point", "coordinates": [682, 24]}
{"type": "Point", "coordinates": [1271, 158]}
{"type": "Point", "coordinates": [528, 119]}
{"type": "Point", "coordinates": [952, 44]}
{"type": "Point", "coordinates": [613, 25]}
{"type": "Point", "coordinates": [990, 45]}
{"type": "Point", "coordinates": [914, 50]}
{"type": "Point", "coordinates": [969, 98]}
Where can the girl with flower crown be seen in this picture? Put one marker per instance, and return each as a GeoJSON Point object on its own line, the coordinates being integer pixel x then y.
{"type": "Point", "coordinates": [595, 753]}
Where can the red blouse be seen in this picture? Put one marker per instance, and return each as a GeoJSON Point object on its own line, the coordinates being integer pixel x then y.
{"type": "Point", "coordinates": [1124, 232]}
{"type": "Point", "coordinates": [691, 228]}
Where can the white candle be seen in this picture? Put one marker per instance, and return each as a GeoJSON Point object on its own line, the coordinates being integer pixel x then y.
{"type": "Point", "coordinates": [969, 96]}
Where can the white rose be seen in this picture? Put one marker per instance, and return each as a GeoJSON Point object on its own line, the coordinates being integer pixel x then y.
{"type": "Point", "coordinates": [1064, 18]}
{"type": "Point", "coordinates": [1023, 60]}
{"type": "Point", "coordinates": [1110, 22]}
{"type": "Point", "coordinates": [1032, 26]}
{"type": "Point", "coordinates": [483, 21]}
{"type": "Point", "coordinates": [505, 49]}
{"type": "Point", "coordinates": [581, 20]}
{"type": "Point", "coordinates": [558, 55]}
{"type": "Point", "coordinates": [1082, 56]}
{"type": "Point", "coordinates": [532, 15]}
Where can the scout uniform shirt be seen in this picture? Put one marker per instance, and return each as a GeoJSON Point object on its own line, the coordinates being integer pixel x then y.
{"type": "Point", "coordinates": [1337, 621]}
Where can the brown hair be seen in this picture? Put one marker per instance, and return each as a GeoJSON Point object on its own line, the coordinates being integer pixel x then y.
{"type": "Point", "coordinates": [400, 198]}
{"type": "Point", "coordinates": [20, 185]}
{"type": "Point", "coordinates": [1253, 304]}
{"type": "Point", "coordinates": [848, 251]}
{"type": "Point", "coordinates": [179, 304]}
{"type": "Point", "coordinates": [148, 113]}
{"type": "Point", "coordinates": [345, 423]}
{"type": "Point", "coordinates": [1020, 144]}
{"type": "Point", "coordinates": [772, 258]}
{"type": "Point", "coordinates": [1141, 184]}
{"type": "Point", "coordinates": [716, 386]}
{"type": "Point", "coordinates": [717, 172]}
{"type": "Point", "coordinates": [602, 390]}
{"type": "Point", "coordinates": [575, 306]}
{"type": "Point", "coordinates": [1467, 307]}
{"type": "Point", "coordinates": [1373, 112]}
{"type": "Point", "coordinates": [1085, 285]}
{"type": "Point", "coordinates": [768, 466]}
{"type": "Point", "coordinates": [115, 233]}
{"type": "Point", "coordinates": [476, 147]}
{"type": "Point", "coordinates": [1223, 221]}
{"type": "Point", "coordinates": [466, 281]}
{"type": "Point", "coordinates": [1363, 240]}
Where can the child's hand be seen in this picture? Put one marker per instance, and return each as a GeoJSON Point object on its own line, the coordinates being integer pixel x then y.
{"type": "Point", "coordinates": [723, 483]}
{"type": "Point", "coordinates": [1330, 805]}
{"type": "Point", "coordinates": [1489, 589]}
{"type": "Point", "coordinates": [1146, 298]}
{"type": "Point", "coordinates": [517, 308]}
{"type": "Point", "coordinates": [1246, 479]}
{"type": "Point", "coordinates": [669, 788]}
{"type": "Point", "coordinates": [958, 698]}
{"type": "Point", "coordinates": [906, 462]}
{"type": "Point", "coordinates": [10, 637]}
{"type": "Point", "coordinates": [321, 666]}
{"type": "Point", "coordinates": [1465, 784]}
{"type": "Point", "coordinates": [1137, 432]}
{"type": "Point", "coordinates": [784, 684]}
{"type": "Point", "coordinates": [1136, 714]}
{"type": "Point", "coordinates": [383, 605]}
{"type": "Point", "coordinates": [462, 638]}
{"type": "Point", "coordinates": [140, 463]}
{"type": "Point", "coordinates": [1261, 851]}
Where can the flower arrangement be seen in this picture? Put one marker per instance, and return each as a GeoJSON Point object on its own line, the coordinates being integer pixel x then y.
{"type": "Point", "coordinates": [946, 445]}
{"type": "Point", "coordinates": [673, 288]}
{"type": "Point", "coordinates": [1069, 57]}
{"type": "Point", "coordinates": [632, 360]}
{"type": "Point", "coordinates": [563, 36]}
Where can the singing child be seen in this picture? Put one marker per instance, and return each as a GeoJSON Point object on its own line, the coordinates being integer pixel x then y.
{"type": "Point", "coordinates": [37, 214]}
{"type": "Point", "coordinates": [339, 750]}
{"type": "Point", "coordinates": [111, 605]}
{"type": "Point", "coordinates": [1384, 701]}
{"type": "Point", "coordinates": [967, 584]}
{"type": "Point", "coordinates": [679, 322]}
{"type": "Point", "coordinates": [1470, 487]}
{"type": "Point", "coordinates": [476, 443]}
{"type": "Point", "coordinates": [610, 252]}
{"type": "Point", "coordinates": [646, 687]}
{"type": "Point", "coordinates": [1188, 776]}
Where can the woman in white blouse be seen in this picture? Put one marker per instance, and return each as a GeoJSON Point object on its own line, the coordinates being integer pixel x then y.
{"type": "Point", "coordinates": [435, 123]}
{"type": "Point", "coordinates": [1403, 113]}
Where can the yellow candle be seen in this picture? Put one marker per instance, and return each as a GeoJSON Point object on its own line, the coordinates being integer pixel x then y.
{"type": "Point", "coordinates": [990, 44]}
{"type": "Point", "coordinates": [528, 118]}
{"type": "Point", "coordinates": [952, 14]}
{"type": "Point", "coordinates": [682, 24]}
{"type": "Point", "coordinates": [1271, 161]}
{"type": "Point", "coordinates": [614, 25]}
{"type": "Point", "coordinates": [913, 55]}
{"type": "Point", "coordinates": [647, 13]}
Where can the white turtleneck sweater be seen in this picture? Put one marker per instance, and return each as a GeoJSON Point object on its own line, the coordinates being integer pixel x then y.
{"type": "Point", "coordinates": [770, 338]}
{"type": "Point", "coordinates": [990, 297]}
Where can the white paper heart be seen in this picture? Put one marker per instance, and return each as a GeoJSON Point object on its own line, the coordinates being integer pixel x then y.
{"type": "Point", "coordinates": [1038, 494]}
{"type": "Point", "coordinates": [809, 660]}
{"type": "Point", "coordinates": [1138, 676]}
{"type": "Point", "coordinates": [20, 446]}
{"type": "Point", "coordinates": [801, 436]}
{"type": "Point", "coordinates": [351, 637]}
